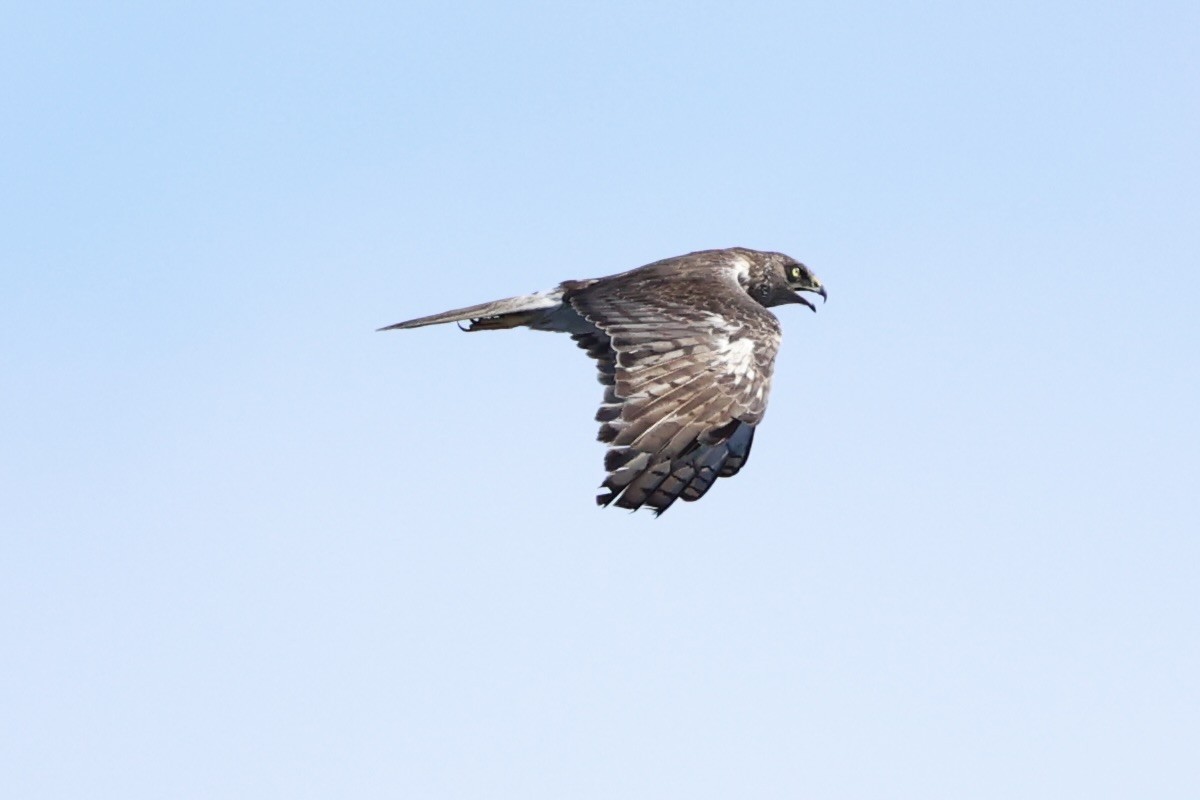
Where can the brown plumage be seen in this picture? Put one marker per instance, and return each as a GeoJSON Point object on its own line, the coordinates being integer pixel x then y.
{"type": "Point", "coordinates": [685, 348]}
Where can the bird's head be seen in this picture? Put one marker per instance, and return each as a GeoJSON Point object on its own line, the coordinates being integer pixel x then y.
{"type": "Point", "coordinates": [779, 279]}
{"type": "Point", "coordinates": [801, 279]}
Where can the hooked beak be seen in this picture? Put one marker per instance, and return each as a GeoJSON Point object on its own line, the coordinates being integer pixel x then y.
{"type": "Point", "coordinates": [804, 300]}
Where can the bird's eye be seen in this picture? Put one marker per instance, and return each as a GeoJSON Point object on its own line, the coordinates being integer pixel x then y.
{"type": "Point", "coordinates": [795, 273]}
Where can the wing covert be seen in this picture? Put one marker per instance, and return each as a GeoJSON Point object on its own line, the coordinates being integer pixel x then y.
{"type": "Point", "coordinates": [686, 364]}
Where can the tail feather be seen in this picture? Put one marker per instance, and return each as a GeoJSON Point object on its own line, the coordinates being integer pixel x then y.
{"type": "Point", "coordinates": [506, 313]}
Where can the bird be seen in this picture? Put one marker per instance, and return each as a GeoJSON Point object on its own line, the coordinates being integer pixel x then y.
{"type": "Point", "coordinates": [684, 347]}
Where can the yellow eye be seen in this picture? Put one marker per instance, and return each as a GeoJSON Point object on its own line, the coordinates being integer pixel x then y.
{"type": "Point", "coordinates": [795, 273]}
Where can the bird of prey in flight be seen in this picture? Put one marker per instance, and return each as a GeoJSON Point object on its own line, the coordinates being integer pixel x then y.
{"type": "Point", "coordinates": [685, 349]}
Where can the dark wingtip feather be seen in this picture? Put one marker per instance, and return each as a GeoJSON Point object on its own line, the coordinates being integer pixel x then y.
{"type": "Point", "coordinates": [717, 453]}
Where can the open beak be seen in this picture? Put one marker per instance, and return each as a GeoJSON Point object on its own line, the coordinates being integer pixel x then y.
{"type": "Point", "coordinates": [802, 299]}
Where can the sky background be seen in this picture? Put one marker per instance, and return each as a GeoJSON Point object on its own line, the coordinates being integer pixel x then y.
{"type": "Point", "coordinates": [253, 549]}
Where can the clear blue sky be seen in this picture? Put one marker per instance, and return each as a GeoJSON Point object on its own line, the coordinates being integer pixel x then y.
{"type": "Point", "coordinates": [252, 548]}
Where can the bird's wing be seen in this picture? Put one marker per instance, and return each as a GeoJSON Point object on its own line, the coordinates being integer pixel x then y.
{"type": "Point", "coordinates": [686, 363]}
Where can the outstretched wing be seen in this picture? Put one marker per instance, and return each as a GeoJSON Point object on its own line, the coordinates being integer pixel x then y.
{"type": "Point", "coordinates": [686, 363]}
